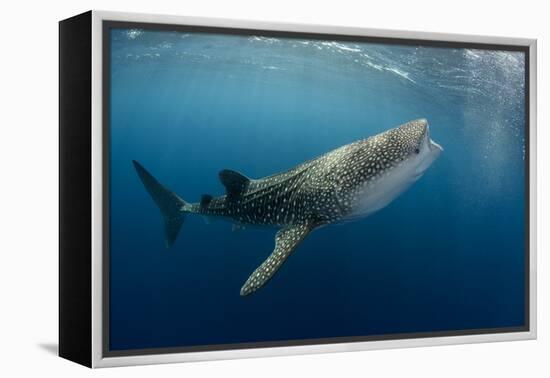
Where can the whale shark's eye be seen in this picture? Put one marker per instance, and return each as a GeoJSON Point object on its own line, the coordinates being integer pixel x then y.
{"type": "Point", "coordinates": [417, 151]}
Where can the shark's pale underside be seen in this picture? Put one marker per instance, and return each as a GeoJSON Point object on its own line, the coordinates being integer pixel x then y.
{"type": "Point", "coordinates": [350, 182]}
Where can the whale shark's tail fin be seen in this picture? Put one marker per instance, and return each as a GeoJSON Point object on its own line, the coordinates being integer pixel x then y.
{"type": "Point", "coordinates": [170, 204]}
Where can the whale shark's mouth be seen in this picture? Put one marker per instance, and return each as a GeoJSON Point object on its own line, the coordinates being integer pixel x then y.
{"type": "Point", "coordinates": [435, 147]}
{"type": "Point", "coordinates": [430, 151]}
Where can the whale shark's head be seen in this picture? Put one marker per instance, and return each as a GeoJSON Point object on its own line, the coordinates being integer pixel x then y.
{"type": "Point", "coordinates": [385, 165]}
{"type": "Point", "coordinates": [413, 145]}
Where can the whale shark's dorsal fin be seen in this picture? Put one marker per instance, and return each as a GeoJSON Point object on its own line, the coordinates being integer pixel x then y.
{"type": "Point", "coordinates": [234, 182]}
{"type": "Point", "coordinates": [205, 200]}
{"type": "Point", "coordinates": [286, 241]}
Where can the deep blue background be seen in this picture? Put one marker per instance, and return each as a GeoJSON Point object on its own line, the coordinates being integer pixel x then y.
{"type": "Point", "coordinates": [447, 255]}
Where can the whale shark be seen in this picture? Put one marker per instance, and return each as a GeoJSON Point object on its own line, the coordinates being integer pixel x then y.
{"type": "Point", "coordinates": [350, 182]}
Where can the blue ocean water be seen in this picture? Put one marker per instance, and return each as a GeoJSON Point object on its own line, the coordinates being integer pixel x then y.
{"type": "Point", "coordinates": [448, 255]}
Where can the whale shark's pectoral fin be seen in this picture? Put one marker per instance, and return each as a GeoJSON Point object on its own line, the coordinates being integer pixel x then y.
{"type": "Point", "coordinates": [286, 241]}
{"type": "Point", "coordinates": [234, 182]}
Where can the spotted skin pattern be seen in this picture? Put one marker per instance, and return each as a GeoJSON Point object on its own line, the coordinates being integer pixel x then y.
{"type": "Point", "coordinates": [348, 182]}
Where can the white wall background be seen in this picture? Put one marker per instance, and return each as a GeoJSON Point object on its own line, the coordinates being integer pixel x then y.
{"type": "Point", "coordinates": [28, 186]}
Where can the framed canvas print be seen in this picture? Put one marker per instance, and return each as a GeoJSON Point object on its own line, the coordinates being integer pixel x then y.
{"type": "Point", "coordinates": [236, 188]}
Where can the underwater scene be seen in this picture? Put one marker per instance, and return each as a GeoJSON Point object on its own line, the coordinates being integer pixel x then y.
{"type": "Point", "coordinates": [232, 222]}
